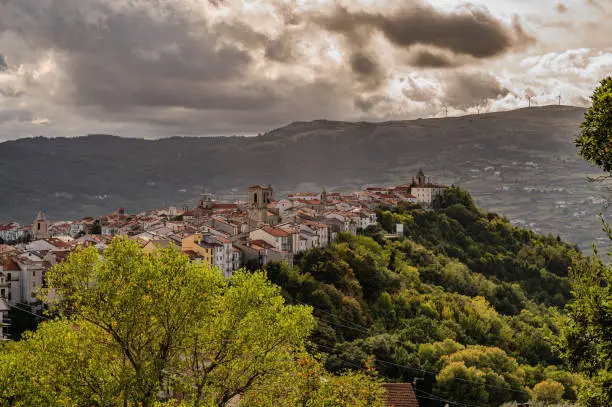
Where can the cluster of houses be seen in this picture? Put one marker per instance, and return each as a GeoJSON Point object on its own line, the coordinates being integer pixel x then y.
{"type": "Point", "coordinates": [227, 236]}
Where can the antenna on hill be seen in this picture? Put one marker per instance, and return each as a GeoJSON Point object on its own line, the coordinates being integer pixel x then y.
{"type": "Point", "coordinates": [482, 105]}
{"type": "Point", "coordinates": [445, 108]}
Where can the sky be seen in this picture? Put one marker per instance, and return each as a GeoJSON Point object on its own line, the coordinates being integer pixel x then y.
{"type": "Point", "coordinates": [156, 68]}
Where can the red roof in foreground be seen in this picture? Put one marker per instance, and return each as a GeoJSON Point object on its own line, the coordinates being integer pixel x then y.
{"type": "Point", "coordinates": [9, 264]}
{"type": "Point", "coordinates": [399, 395]}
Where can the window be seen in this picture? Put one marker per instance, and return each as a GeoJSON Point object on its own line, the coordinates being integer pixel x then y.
{"type": "Point", "coordinates": [33, 273]}
{"type": "Point", "coordinates": [38, 226]}
{"type": "Point", "coordinates": [2, 293]}
{"type": "Point", "coordinates": [8, 277]}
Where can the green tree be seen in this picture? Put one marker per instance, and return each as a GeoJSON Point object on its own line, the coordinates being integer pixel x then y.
{"type": "Point", "coordinates": [153, 329]}
{"type": "Point", "coordinates": [500, 372]}
{"type": "Point", "coordinates": [147, 303]}
{"type": "Point", "coordinates": [586, 334]}
{"type": "Point", "coordinates": [586, 341]}
{"type": "Point", "coordinates": [309, 385]}
{"type": "Point", "coordinates": [453, 380]}
{"type": "Point", "coordinates": [548, 391]}
{"type": "Point", "coordinates": [63, 363]}
{"type": "Point", "coordinates": [250, 338]}
{"type": "Point", "coordinates": [595, 139]}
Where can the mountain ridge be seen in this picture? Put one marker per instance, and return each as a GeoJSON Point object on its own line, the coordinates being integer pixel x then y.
{"type": "Point", "coordinates": [494, 155]}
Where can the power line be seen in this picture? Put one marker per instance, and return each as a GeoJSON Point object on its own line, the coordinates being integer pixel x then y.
{"type": "Point", "coordinates": [29, 312]}
{"type": "Point", "coordinates": [365, 330]}
{"type": "Point", "coordinates": [428, 396]}
{"type": "Point", "coordinates": [358, 327]}
{"type": "Point", "coordinates": [438, 398]}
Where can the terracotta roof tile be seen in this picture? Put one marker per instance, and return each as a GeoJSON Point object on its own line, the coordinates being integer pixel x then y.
{"type": "Point", "coordinates": [9, 264]}
{"type": "Point", "coordinates": [399, 395]}
{"type": "Point", "coordinates": [276, 232]}
{"type": "Point", "coordinates": [262, 244]}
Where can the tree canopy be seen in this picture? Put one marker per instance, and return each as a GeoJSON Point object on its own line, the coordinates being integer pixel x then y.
{"type": "Point", "coordinates": [595, 139]}
{"type": "Point", "coordinates": [586, 330]}
{"type": "Point", "coordinates": [139, 329]}
{"type": "Point", "coordinates": [464, 299]}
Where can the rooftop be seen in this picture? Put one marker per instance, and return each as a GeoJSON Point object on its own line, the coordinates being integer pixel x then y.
{"type": "Point", "coordinates": [276, 232]}
{"type": "Point", "coordinates": [399, 395]}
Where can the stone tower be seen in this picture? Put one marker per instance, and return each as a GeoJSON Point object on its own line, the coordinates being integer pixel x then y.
{"type": "Point", "coordinates": [324, 197]}
{"type": "Point", "coordinates": [40, 227]}
{"type": "Point", "coordinates": [421, 178]}
{"type": "Point", "coordinates": [259, 198]}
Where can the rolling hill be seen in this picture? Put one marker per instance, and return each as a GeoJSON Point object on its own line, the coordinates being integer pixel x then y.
{"type": "Point", "coordinates": [521, 163]}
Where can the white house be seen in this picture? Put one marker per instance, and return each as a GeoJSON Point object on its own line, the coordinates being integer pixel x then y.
{"type": "Point", "coordinates": [10, 232]}
{"type": "Point", "coordinates": [424, 190]}
{"type": "Point", "coordinates": [236, 258]}
{"type": "Point", "coordinates": [4, 319]}
{"type": "Point", "coordinates": [278, 238]}
{"type": "Point", "coordinates": [224, 253]}
{"type": "Point", "coordinates": [31, 277]}
{"type": "Point", "coordinates": [10, 272]}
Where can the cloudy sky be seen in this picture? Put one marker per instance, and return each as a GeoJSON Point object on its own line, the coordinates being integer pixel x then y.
{"type": "Point", "coordinates": [152, 68]}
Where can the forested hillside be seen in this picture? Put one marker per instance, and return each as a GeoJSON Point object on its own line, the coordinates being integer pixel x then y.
{"type": "Point", "coordinates": [464, 298]}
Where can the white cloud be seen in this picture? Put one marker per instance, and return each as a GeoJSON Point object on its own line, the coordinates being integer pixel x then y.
{"type": "Point", "coordinates": [164, 67]}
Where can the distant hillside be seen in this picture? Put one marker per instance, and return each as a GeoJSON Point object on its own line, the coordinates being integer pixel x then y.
{"type": "Point", "coordinates": [504, 159]}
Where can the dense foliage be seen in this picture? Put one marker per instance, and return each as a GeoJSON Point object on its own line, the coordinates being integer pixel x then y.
{"type": "Point", "coordinates": [586, 331]}
{"type": "Point", "coordinates": [138, 329]}
{"type": "Point", "coordinates": [586, 339]}
{"type": "Point", "coordinates": [464, 302]}
{"type": "Point", "coordinates": [464, 297]}
{"type": "Point", "coordinates": [595, 141]}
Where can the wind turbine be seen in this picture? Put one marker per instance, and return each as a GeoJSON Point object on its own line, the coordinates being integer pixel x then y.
{"type": "Point", "coordinates": [445, 108]}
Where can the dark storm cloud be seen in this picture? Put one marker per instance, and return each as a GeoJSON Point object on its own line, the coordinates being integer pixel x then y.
{"type": "Point", "coordinates": [470, 30]}
{"type": "Point", "coordinates": [465, 90]}
{"type": "Point", "coordinates": [281, 49]}
{"type": "Point", "coordinates": [131, 57]}
{"type": "Point", "coordinates": [425, 58]}
{"type": "Point", "coordinates": [10, 93]}
{"type": "Point", "coordinates": [189, 67]}
{"type": "Point", "coordinates": [3, 63]}
{"type": "Point", "coordinates": [370, 103]}
{"type": "Point", "coordinates": [18, 115]}
{"type": "Point", "coordinates": [367, 69]}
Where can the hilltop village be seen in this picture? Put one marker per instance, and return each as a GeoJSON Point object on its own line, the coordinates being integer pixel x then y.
{"type": "Point", "coordinates": [221, 234]}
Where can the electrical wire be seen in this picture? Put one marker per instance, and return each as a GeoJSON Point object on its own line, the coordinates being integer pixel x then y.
{"type": "Point", "coordinates": [364, 329]}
